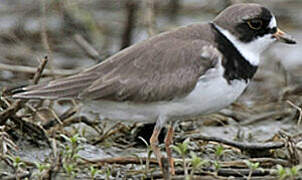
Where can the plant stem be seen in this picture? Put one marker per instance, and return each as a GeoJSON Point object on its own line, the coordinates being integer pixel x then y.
{"type": "Point", "coordinates": [185, 165]}
{"type": "Point", "coordinates": [250, 175]}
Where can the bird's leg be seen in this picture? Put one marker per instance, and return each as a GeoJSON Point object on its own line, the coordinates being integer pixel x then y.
{"type": "Point", "coordinates": [154, 144]}
{"type": "Point", "coordinates": [168, 142]}
{"type": "Point", "coordinates": [154, 138]}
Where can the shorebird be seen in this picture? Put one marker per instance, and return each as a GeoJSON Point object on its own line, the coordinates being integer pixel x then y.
{"type": "Point", "coordinates": [193, 70]}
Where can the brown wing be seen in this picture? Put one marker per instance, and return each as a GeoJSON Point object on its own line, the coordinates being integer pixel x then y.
{"type": "Point", "coordinates": [161, 68]}
{"type": "Point", "coordinates": [65, 88]}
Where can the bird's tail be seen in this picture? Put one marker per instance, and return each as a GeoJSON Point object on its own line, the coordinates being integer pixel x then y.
{"type": "Point", "coordinates": [66, 88]}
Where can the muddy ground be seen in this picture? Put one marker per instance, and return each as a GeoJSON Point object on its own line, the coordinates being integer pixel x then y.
{"type": "Point", "coordinates": [257, 137]}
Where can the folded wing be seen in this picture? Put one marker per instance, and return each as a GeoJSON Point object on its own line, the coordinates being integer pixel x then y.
{"type": "Point", "coordinates": [158, 69]}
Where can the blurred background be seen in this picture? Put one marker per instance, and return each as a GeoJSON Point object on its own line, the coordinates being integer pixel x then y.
{"type": "Point", "coordinates": [60, 29]}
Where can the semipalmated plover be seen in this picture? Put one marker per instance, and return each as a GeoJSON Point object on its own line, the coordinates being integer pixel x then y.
{"type": "Point", "coordinates": [189, 71]}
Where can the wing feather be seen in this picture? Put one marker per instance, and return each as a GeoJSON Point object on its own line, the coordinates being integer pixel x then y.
{"type": "Point", "coordinates": [162, 72]}
{"type": "Point", "coordinates": [164, 67]}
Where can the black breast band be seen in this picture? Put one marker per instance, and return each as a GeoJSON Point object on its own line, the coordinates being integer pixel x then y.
{"type": "Point", "coordinates": [236, 66]}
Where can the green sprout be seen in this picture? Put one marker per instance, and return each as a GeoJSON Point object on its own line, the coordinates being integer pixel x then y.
{"type": "Point", "coordinates": [17, 162]}
{"type": "Point", "coordinates": [219, 151]}
{"type": "Point", "coordinates": [281, 171]}
{"type": "Point", "coordinates": [94, 171]}
{"type": "Point", "coordinates": [108, 173]}
{"type": "Point", "coordinates": [70, 170]}
{"type": "Point", "coordinates": [217, 165]}
{"type": "Point", "coordinates": [149, 153]}
{"type": "Point", "coordinates": [293, 172]}
{"type": "Point", "coordinates": [70, 153]}
{"type": "Point", "coordinates": [182, 150]}
{"type": "Point", "coordinates": [287, 173]}
{"type": "Point", "coordinates": [252, 166]}
{"type": "Point", "coordinates": [196, 163]}
{"type": "Point", "coordinates": [42, 168]}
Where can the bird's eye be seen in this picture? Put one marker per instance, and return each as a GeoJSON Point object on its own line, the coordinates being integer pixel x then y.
{"type": "Point", "coordinates": [255, 24]}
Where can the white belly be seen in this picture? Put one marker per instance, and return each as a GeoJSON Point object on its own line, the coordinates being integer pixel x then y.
{"type": "Point", "coordinates": [211, 94]}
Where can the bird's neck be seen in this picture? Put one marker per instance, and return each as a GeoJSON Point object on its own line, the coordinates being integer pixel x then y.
{"type": "Point", "coordinates": [240, 63]}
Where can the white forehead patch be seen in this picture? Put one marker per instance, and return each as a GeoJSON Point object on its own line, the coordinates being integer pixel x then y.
{"type": "Point", "coordinates": [272, 23]}
{"type": "Point", "coordinates": [250, 51]}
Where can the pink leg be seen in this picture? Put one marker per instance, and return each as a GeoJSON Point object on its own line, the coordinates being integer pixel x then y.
{"type": "Point", "coordinates": [168, 142]}
{"type": "Point", "coordinates": [154, 145]}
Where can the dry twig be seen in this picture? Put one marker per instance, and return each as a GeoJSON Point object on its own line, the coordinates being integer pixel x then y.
{"type": "Point", "coordinates": [149, 17]}
{"type": "Point", "coordinates": [298, 109]}
{"type": "Point", "coordinates": [165, 168]}
{"type": "Point", "coordinates": [113, 130]}
{"type": "Point", "coordinates": [40, 70]}
{"type": "Point", "coordinates": [264, 162]}
{"type": "Point", "coordinates": [65, 116]}
{"type": "Point", "coordinates": [290, 145]}
{"type": "Point", "coordinates": [240, 145]}
{"type": "Point", "coordinates": [23, 175]}
{"type": "Point", "coordinates": [120, 160]}
{"type": "Point", "coordinates": [11, 111]}
{"type": "Point", "coordinates": [131, 8]}
{"type": "Point", "coordinates": [44, 37]}
{"type": "Point", "coordinates": [87, 47]}
{"type": "Point", "coordinates": [33, 70]}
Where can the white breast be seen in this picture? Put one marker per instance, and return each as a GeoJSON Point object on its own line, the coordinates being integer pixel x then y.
{"type": "Point", "coordinates": [211, 94]}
